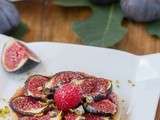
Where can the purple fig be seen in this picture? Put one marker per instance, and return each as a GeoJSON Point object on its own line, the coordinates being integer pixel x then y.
{"type": "Point", "coordinates": [26, 105]}
{"type": "Point", "coordinates": [73, 116]}
{"type": "Point", "coordinates": [141, 10]}
{"type": "Point", "coordinates": [89, 116]}
{"type": "Point", "coordinates": [9, 16]}
{"type": "Point", "coordinates": [103, 107]}
{"type": "Point", "coordinates": [94, 89]}
{"type": "Point", "coordinates": [62, 78]}
{"type": "Point", "coordinates": [113, 97]}
{"type": "Point", "coordinates": [51, 115]}
{"type": "Point", "coordinates": [16, 55]}
{"type": "Point", "coordinates": [34, 86]}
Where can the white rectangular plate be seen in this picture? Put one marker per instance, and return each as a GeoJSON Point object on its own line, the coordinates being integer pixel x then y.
{"type": "Point", "coordinates": [140, 97]}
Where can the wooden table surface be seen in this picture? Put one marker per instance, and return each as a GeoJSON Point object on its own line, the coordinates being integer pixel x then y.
{"type": "Point", "coordinates": [48, 22]}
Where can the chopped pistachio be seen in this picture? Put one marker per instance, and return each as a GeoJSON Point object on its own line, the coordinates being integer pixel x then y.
{"type": "Point", "coordinates": [4, 111]}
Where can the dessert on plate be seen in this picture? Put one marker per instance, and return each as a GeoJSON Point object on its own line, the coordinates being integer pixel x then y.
{"type": "Point", "coordinates": [66, 95]}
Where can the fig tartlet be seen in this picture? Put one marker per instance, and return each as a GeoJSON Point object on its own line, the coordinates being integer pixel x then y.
{"type": "Point", "coordinates": [66, 95]}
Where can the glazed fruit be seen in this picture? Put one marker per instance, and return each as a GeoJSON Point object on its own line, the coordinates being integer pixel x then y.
{"type": "Point", "coordinates": [103, 107]}
{"type": "Point", "coordinates": [51, 115]}
{"type": "Point", "coordinates": [9, 16]}
{"type": "Point", "coordinates": [72, 116]}
{"type": "Point", "coordinates": [34, 86]}
{"type": "Point", "coordinates": [113, 98]}
{"type": "Point", "coordinates": [62, 78]}
{"type": "Point", "coordinates": [44, 117]}
{"type": "Point", "coordinates": [103, 2]}
{"type": "Point", "coordinates": [67, 96]}
{"type": "Point", "coordinates": [141, 10]}
{"type": "Point", "coordinates": [94, 88]}
{"type": "Point", "coordinates": [95, 117]}
{"type": "Point", "coordinates": [15, 55]}
{"type": "Point", "coordinates": [27, 105]}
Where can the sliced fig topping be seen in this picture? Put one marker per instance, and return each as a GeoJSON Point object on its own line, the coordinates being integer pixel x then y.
{"type": "Point", "coordinates": [102, 89]}
{"type": "Point", "coordinates": [72, 116]}
{"type": "Point", "coordinates": [15, 55]}
{"type": "Point", "coordinates": [103, 107]}
{"type": "Point", "coordinates": [89, 116]}
{"type": "Point", "coordinates": [62, 78]}
{"type": "Point", "coordinates": [34, 86]}
{"type": "Point", "coordinates": [26, 105]}
{"type": "Point", "coordinates": [44, 117]}
{"type": "Point", "coordinates": [94, 88]}
{"type": "Point", "coordinates": [113, 97]}
{"type": "Point", "coordinates": [51, 115]}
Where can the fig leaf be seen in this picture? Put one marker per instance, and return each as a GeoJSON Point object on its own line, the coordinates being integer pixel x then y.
{"type": "Point", "coordinates": [153, 28]}
{"type": "Point", "coordinates": [72, 3]}
{"type": "Point", "coordinates": [103, 28]}
{"type": "Point", "coordinates": [19, 31]}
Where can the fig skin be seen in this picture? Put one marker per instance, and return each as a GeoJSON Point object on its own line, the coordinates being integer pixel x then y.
{"type": "Point", "coordinates": [40, 93]}
{"type": "Point", "coordinates": [94, 89]}
{"type": "Point", "coordinates": [73, 116]}
{"type": "Point", "coordinates": [51, 115]}
{"type": "Point", "coordinates": [141, 10]}
{"type": "Point", "coordinates": [103, 2]}
{"type": "Point", "coordinates": [89, 116]}
{"type": "Point", "coordinates": [16, 100]}
{"type": "Point", "coordinates": [101, 107]}
{"type": "Point", "coordinates": [9, 16]}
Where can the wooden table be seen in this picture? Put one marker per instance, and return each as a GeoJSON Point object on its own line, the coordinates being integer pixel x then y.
{"type": "Point", "coordinates": [48, 22]}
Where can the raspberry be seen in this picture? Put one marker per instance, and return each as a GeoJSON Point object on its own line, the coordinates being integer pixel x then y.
{"type": "Point", "coordinates": [67, 96]}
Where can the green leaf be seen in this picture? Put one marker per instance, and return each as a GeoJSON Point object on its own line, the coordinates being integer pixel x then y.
{"type": "Point", "coordinates": [154, 28]}
{"type": "Point", "coordinates": [72, 3]}
{"type": "Point", "coordinates": [19, 31]}
{"type": "Point", "coordinates": [103, 28]}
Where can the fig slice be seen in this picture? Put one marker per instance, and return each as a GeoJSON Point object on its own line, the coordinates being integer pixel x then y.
{"type": "Point", "coordinates": [72, 116]}
{"type": "Point", "coordinates": [94, 89]}
{"type": "Point", "coordinates": [61, 78]}
{"type": "Point", "coordinates": [34, 86]}
{"type": "Point", "coordinates": [113, 98]}
{"type": "Point", "coordinates": [51, 115]}
{"type": "Point", "coordinates": [44, 117]}
{"type": "Point", "coordinates": [26, 105]}
{"type": "Point", "coordinates": [103, 107]}
{"type": "Point", "coordinates": [89, 116]}
{"type": "Point", "coordinates": [16, 55]}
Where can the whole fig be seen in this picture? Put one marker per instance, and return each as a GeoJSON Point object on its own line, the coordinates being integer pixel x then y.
{"type": "Point", "coordinates": [9, 16]}
{"type": "Point", "coordinates": [141, 10]}
{"type": "Point", "coordinates": [103, 2]}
